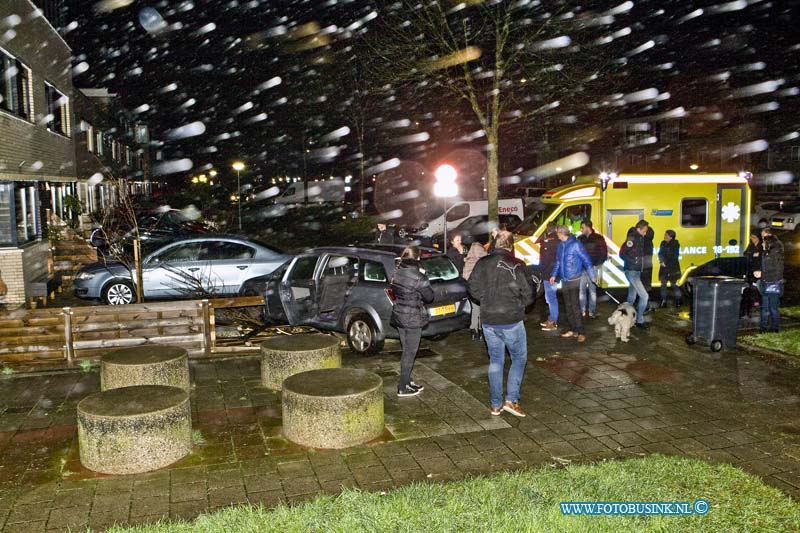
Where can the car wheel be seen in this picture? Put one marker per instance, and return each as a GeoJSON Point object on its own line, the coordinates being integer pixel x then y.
{"type": "Point", "coordinates": [763, 223]}
{"type": "Point", "coordinates": [716, 345]}
{"type": "Point", "coordinates": [362, 335]}
{"type": "Point", "coordinates": [119, 292]}
{"type": "Point", "coordinates": [690, 339]}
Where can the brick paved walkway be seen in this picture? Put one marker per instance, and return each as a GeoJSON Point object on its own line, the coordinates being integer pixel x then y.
{"type": "Point", "coordinates": [586, 402]}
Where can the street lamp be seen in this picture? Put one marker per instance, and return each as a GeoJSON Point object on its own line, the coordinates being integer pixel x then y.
{"type": "Point", "coordinates": [445, 187]}
{"type": "Point", "coordinates": [238, 166]}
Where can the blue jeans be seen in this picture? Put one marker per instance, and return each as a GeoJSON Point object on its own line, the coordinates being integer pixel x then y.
{"type": "Point", "coordinates": [769, 309]}
{"type": "Point", "coordinates": [497, 340]}
{"type": "Point", "coordinates": [636, 288]}
{"type": "Point", "coordinates": [591, 288]}
{"type": "Point", "coordinates": [551, 297]}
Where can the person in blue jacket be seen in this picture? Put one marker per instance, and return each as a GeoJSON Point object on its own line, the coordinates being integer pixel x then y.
{"type": "Point", "coordinates": [571, 261]}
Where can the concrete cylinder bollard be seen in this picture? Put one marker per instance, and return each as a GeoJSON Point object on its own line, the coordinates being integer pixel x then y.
{"type": "Point", "coordinates": [332, 407]}
{"type": "Point", "coordinates": [285, 355]}
{"type": "Point", "coordinates": [130, 430]}
{"type": "Point", "coordinates": [151, 364]}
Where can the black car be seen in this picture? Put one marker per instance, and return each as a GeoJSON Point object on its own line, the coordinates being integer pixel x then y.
{"type": "Point", "coordinates": [347, 289]}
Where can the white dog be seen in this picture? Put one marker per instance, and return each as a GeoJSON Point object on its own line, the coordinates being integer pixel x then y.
{"type": "Point", "coordinates": [623, 320]}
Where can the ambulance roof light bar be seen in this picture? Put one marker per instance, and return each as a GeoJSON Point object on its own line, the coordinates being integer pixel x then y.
{"type": "Point", "coordinates": [681, 178]}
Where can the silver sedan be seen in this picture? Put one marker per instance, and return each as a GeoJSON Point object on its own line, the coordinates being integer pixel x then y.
{"type": "Point", "coordinates": [190, 268]}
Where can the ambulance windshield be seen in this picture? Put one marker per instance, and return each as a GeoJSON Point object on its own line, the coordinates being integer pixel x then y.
{"type": "Point", "coordinates": [535, 219]}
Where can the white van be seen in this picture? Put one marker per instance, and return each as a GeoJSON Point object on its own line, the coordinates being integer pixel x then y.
{"type": "Point", "coordinates": [462, 209]}
{"type": "Point", "coordinates": [319, 192]}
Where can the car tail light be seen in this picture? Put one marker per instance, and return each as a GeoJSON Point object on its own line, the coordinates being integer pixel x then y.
{"type": "Point", "coordinates": [390, 294]}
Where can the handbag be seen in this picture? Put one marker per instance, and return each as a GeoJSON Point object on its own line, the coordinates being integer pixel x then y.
{"type": "Point", "coordinates": [772, 288]}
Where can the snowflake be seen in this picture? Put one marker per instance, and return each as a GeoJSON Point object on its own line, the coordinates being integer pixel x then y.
{"type": "Point", "coordinates": [730, 212]}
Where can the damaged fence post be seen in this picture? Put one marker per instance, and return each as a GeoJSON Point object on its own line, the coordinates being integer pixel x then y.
{"type": "Point", "coordinates": [206, 309]}
{"type": "Point", "coordinates": [69, 349]}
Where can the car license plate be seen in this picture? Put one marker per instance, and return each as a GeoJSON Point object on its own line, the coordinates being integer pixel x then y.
{"type": "Point", "coordinates": [443, 310]}
{"type": "Point", "coordinates": [777, 224]}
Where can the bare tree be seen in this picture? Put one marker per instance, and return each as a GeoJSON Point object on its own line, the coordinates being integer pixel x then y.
{"type": "Point", "coordinates": [117, 234]}
{"type": "Point", "coordinates": [505, 61]}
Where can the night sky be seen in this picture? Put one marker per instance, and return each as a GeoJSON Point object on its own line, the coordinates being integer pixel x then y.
{"type": "Point", "coordinates": [268, 82]}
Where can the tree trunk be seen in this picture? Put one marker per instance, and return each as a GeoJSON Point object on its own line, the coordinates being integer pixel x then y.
{"type": "Point", "coordinates": [491, 177]}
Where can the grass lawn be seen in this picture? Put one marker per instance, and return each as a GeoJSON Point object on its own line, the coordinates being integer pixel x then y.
{"type": "Point", "coordinates": [529, 501]}
{"type": "Point", "coordinates": [786, 341]}
{"type": "Point", "coordinates": [792, 311]}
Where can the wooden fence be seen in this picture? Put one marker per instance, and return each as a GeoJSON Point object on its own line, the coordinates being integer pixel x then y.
{"type": "Point", "coordinates": [73, 333]}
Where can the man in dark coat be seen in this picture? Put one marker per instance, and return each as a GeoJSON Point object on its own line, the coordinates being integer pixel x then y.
{"type": "Point", "coordinates": [670, 272]}
{"type": "Point", "coordinates": [504, 287]}
{"type": "Point", "coordinates": [771, 286]}
{"type": "Point", "coordinates": [647, 270]}
{"type": "Point", "coordinates": [548, 248]}
{"type": "Point", "coordinates": [595, 245]}
{"type": "Point", "coordinates": [385, 235]}
{"type": "Point", "coordinates": [633, 254]}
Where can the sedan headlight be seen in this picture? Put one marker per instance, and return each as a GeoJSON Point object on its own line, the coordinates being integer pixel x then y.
{"type": "Point", "coordinates": [85, 275]}
{"type": "Point", "coordinates": [790, 220]}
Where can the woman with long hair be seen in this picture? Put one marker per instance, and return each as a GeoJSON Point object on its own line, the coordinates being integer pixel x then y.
{"type": "Point", "coordinates": [476, 251]}
{"type": "Point", "coordinates": [412, 290]}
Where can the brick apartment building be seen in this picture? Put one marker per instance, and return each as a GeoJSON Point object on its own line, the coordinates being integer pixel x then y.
{"type": "Point", "coordinates": [56, 143]}
{"type": "Point", "coordinates": [37, 152]}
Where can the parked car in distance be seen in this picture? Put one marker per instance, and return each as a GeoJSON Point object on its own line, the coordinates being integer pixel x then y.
{"type": "Point", "coordinates": [201, 266]}
{"type": "Point", "coordinates": [787, 218]}
{"type": "Point", "coordinates": [156, 228]}
{"type": "Point", "coordinates": [477, 229]}
{"type": "Point", "coordinates": [347, 289]}
{"type": "Point", "coordinates": [762, 212]}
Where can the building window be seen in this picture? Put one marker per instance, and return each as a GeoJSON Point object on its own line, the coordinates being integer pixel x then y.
{"type": "Point", "coordinates": [128, 160]}
{"type": "Point", "coordinates": [638, 133]}
{"type": "Point", "coordinates": [15, 87]}
{"type": "Point", "coordinates": [694, 212]}
{"type": "Point", "coordinates": [114, 151]}
{"type": "Point", "coordinates": [57, 110]}
{"type": "Point", "coordinates": [670, 131]}
{"type": "Point", "coordinates": [90, 136]}
{"type": "Point", "coordinates": [142, 134]}
{"type": "Point", "coordinates": [26, 212]}
{"type": "Point", "coordinates": [795, 153]}
{"type": "Point", "coordinates": [98, 142]}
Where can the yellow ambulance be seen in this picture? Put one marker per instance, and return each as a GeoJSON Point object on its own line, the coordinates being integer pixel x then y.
{"type": "Point", "coordinates": [709, 212]}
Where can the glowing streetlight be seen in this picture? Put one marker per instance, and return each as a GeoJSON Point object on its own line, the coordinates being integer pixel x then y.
{"type": "Point", "coordinates": [694, 166]}
{"type": "Point", "coordinates": [445, 187]}
{"type": "Point", "coordinates": [238, 166]}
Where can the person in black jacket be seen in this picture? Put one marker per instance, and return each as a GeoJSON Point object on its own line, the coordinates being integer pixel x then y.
{"type": "Point", "coordinates": [412, 290]}
{"type": "Point", "coordinates": [504, 287]}
{"type": "Point", "coordinates": [771, 286]}
{"type": "Point", "coordinates": [548, 248]}
{"type": "Point", "coordinates": [457, 252]}
{"type": "Point", "coordinates": [647, 267]}
{"type": "Point", "coordinates": [670, 272]}
{"type": "Point", "coordinates": [597, 249]}
{"type": "Point", "coordinates": [633, 254]}
{"type": "Point", "coordinates": [385, 235]}
{"type": "Point", "coordinates": [753, 255]}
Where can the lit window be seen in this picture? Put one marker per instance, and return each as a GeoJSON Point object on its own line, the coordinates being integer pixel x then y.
{"type": "Point", "coordinates": [57, 110]}
{"type": "Point", "coordinates": [15, 87]}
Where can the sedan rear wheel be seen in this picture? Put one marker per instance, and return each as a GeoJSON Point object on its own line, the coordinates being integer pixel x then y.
{"type": "Point", "coordinates": [362, 336]}
{"type": "Point", "coordinates": [119, 293]}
